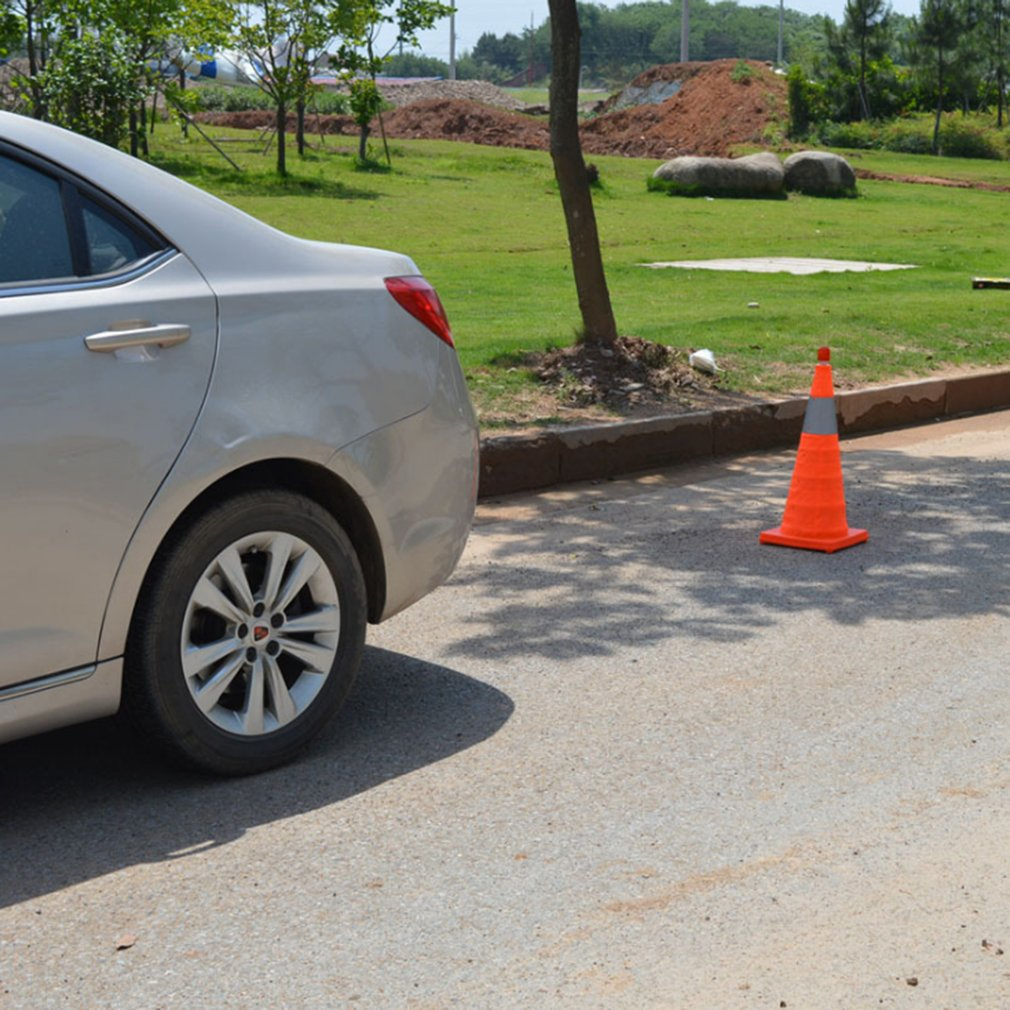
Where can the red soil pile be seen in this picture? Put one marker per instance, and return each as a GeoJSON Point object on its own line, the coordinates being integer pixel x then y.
{"type": "Point", "coordinates": [719, 105]}
{"type": "Point", "coordinates": [452, 119]}
{"type": "Point", "coordinates": [430, 119]}
{"type": "Point", "coordinates": [264, 119]}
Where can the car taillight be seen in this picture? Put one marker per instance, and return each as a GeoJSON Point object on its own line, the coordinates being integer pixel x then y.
{"type": "Point", "coordinates": [419, 298]}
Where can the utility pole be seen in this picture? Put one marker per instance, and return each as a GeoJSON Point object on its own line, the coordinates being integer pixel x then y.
{"type": "Point", "coordinates": [529, 57]}
{"type": "Point", "coordinates": [452, 45]}
{"type": "Point", "coordinates": [778, 61]}
{"type": "Point", "coordinates": [685, 28]}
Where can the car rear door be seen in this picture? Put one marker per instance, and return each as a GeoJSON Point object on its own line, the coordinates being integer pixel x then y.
{"type": "Point", "coordinates": [107, 342]}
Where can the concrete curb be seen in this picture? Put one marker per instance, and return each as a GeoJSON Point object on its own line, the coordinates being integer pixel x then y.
{"type": "Point", "coordinates": [511, 463]}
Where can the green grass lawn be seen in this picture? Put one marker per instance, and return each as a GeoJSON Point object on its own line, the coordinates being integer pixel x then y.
{"type": "Point", "coordinates": [541, 96]}
{"type": "Point", "coordinates": [531, 96]}
{"type": "Point", "coordinates": [485, 225]}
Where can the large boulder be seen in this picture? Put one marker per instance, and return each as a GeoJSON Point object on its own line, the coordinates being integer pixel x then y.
{"type": "Point", "coordinates": [819, 173]}
{"type": "Point", "coordinates": [759, 175]}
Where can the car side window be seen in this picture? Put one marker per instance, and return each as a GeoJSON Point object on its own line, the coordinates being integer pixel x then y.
{"type": "Point", "coordinates": [112, 243]}
{"type": "Point", "coordinates": [34, 237]}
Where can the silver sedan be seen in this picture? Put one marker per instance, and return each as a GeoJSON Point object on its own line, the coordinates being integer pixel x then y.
{"type": "Point", "coordinates": [223, 451]}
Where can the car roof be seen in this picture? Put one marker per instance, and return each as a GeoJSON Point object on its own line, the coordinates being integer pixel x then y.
{"type": "Point", "coordinates": [216, 236]}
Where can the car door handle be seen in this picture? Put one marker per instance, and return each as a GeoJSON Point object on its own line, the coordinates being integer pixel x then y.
{"type": "Point", "coordinates": [141, 334]}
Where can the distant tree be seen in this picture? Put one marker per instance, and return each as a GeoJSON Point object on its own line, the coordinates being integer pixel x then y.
{"type": "Point", "coordinates": [35, 23]}
{"type": "Point", "coordinates": [360, 24]}
{"type": "Point", "coordinates": [939, 30]}
{"type": "Point", "coordinates": [620, 41]}
{"type": "Point", "coordinates": [506, 53]}
{"type": "Point", "coordinates": [598, 324]}
{"type": "Point", "coordinates": [865, 29]}
{"type": "Point", "coordinates": [11, 32]}
{"type": "Point", "coordinates": [470, 69]}
{"type": "Point", "coordinates": [415, 65]}
{"type": "Point", "coordinates": [90, 86]}
{"type": "Point", "coordinates": [969, 70]}
{"type": "Point", "coordinates": [283, 37]}
{"type": "Point", "coordinates": [807, 103]}
{"type": "Point", "coordinates": [995, 15]}
{"type": "Point", "coordinates": [147, 30]}
{"type": "Point", "coordinates": [68, 41]}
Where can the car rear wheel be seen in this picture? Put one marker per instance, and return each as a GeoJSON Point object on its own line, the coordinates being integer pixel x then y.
{"type": "Point", "coordinates": [248, 634]}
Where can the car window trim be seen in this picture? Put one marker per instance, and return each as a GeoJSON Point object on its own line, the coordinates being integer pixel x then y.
{"type": "Point", "coordinates": [72, 187]}
{"type": "Point", "coordinates": [53, 285]}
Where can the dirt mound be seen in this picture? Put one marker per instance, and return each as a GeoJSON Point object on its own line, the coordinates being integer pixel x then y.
{"type": "Point", "coordinates": [264, 119]}
{"type": "Point", "coordinates": [451, 119]}
{"type": "Point", "coordinates": [718, 105]}
{"type": "Point", "coordinates": [431, 119]}
{"type": "Point", "coordinates": [635, 377]}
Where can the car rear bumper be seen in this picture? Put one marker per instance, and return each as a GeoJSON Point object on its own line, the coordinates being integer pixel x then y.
{"type": "Point", "coordinates": [422, 478]}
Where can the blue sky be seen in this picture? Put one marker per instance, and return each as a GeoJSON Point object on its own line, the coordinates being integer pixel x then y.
{"type": "Point", "coordinates": [474, 17]}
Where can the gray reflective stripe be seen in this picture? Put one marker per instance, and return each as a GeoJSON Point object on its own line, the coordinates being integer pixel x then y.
{"type": "Point", "coordinates": [820, 418]}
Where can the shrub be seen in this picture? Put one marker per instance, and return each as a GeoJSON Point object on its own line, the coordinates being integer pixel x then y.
{"type": "Point", "coordinates": [742, 72]}
{"type": "Point", "coordinates": [218, 98]}
{"type": "Point", "coordinates": [91, 87]}
{"type": "Point", "coordinates": [806, 102]}
{"type": "Point", "coordinates": [961, 139]}
{"type": "Point", "coordinates": [330, 103]}
{"type": "Point", "coordinates": [243, 98]}
{"type": "Point", "coordinates": [861, 135]}
{"type": "Point", "coordinates": [907, 136]}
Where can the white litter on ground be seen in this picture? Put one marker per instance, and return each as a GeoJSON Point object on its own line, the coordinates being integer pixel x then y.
{"type": "Point", "coordinates": [782, 265]}
{"type": "Point", "coordinates": [704, 361]}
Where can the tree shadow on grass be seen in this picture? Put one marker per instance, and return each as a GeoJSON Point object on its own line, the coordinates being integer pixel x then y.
{"type": "Point", "coordinates": [86, 801]}
{"type": "Point", "coordinates": [685, 562]}
{"type": "Point", "coordinates": [223, 179]}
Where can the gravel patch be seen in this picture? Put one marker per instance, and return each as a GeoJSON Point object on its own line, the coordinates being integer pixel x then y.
{"type": "Point", "coordinates": [782, 265]}
{"type": "Point", "coordinates": [404, 93]}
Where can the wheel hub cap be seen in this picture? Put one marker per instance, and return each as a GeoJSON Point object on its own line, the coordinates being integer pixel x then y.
{"type": "Point", "coordinates": [260, 633]}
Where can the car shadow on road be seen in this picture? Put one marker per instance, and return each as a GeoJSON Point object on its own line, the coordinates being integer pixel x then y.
{"type": "Point", "coordinates": [86, 801]}
{"type": "Point", "coordinates": [660, 561]}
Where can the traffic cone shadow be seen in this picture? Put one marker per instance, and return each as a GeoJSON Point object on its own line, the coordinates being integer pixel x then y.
{"type": "Point", "coordinates": [814, 518]}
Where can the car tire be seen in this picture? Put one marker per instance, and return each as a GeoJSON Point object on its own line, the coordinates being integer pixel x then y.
{"type": "Point", "coordinates": [248, 634]}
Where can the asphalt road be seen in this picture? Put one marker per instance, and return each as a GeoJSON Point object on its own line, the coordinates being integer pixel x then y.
{"type": "Point", "coordinates": [626, 759]}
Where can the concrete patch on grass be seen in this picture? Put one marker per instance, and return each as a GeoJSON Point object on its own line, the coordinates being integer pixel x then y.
{"type": "Point", "coordinates": [782, 265]}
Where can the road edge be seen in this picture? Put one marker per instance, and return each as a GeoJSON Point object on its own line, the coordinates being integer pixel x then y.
{"type": "Point", "coordinates": [512, 463]}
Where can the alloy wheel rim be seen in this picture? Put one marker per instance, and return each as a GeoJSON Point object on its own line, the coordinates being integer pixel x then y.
{"type": "Point", "coordinates": [260, 633]}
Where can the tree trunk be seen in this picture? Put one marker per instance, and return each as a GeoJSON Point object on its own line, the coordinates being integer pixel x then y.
{"type": "Point", "coordinates": [598, 323]}
{"type": "Point", "coordinates": [363, 136]}
{"type": "Point", "coordinates": [1000, 75]}
{"type": "Point", "coordinates": [1000, 86]}
{"type": "Point", "coordinates": [282, 122]}
{"type": "Point", "coordinates": [182, 87]}
{"type": "Point", "coordinates": [385, 140]}
{"type": "Point", "coordinates": [939, 101]}
{"type": "Point", "coordinates": [36, 105]}
{"type": "Point", "coordinates": [864, 100]}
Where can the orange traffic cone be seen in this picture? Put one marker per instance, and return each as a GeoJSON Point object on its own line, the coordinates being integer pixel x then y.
{"type": "Point", "coordinates": [815, 509]}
